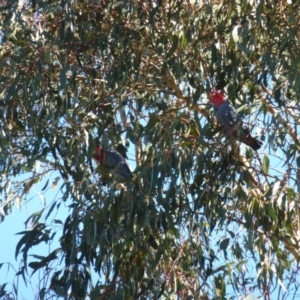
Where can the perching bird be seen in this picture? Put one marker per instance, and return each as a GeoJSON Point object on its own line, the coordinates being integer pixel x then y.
{"type": "Point", "coordinates": [232, 122]}
{"type": "Point", "coordinates": [114, 161]}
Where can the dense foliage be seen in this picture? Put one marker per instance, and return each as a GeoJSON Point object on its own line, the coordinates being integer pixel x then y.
{"type": "Point", "coordinates": [203, 215]}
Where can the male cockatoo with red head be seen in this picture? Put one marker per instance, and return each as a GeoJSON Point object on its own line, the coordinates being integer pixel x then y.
{"type": "Point", "coordinates": [232, 122]}
{"type": "Point", "coordinates": [114, 160]}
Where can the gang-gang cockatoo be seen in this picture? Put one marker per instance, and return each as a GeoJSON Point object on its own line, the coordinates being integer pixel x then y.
{"type": "Point", "coordinates": [114, 161]}
{"type": "Point", "coordinates": [231, 121]}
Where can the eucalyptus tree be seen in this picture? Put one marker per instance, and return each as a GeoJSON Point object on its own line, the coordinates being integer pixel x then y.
{"type": "Point", "coordinates": [202, 216]}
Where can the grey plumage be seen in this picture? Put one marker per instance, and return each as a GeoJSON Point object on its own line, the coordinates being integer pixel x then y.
{"type": "Point", "coordinates": [115, 161]}
{"type": "Point", "coordinates": [232, 122]}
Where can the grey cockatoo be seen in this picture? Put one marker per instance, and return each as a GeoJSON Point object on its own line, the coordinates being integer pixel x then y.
{"type": "Point", "coordinates": [115, 161]}
{"type": "Point", "coordinates": [232, 122]}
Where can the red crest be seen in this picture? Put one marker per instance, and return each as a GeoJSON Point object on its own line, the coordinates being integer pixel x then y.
{"type": "Point", "coordinates": [217, 98]}
{"type": "Point", "coordinates": [99, 154]}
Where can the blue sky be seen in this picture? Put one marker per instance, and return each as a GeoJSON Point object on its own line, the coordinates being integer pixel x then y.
{"type": "Point", "coordinates": [14, 223]}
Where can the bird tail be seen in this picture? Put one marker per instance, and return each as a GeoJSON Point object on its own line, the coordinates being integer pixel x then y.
{"type": "Point", "coordinates": [249, 140]}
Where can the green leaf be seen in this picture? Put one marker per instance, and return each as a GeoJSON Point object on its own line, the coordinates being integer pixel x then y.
{"type": "Point", "coordinates": [271, 212]}
{"type": "Point", "coordinates": [241, 108]}
{"type": "Point", "coordinates": [266, 164]}
{"type": "Point", "coordinates": [298, 161]}
{"type": "Point", "coordinates": [50, 210]}
{"type": "Point", "coordinates": [2, 289]}
{"type": "Point", "coordinates": [44, 261]}
{"type": "Point", "coordinates": [45, 186]}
